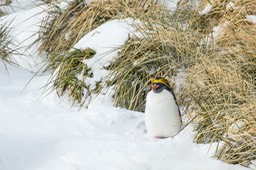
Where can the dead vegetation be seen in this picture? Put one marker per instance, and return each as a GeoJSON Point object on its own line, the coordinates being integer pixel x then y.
{"type": "Point", "coordinates": [5, 41]}
{"type": "Point", "coordinates": [159, 53]}
{"type": "Point", "coordinates": [222, 83]}
{"type": "Point", "coordinates": [69, 75]}
{"type": "Point", "coordinates": [63, 28]}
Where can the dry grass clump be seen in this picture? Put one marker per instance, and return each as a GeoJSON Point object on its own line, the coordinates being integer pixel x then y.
{"type": "Point", "coordinates": [206, 22]}
{"type": "Point", "coordinates": [240, 47]}
{"type": "Point", "coordinates": [238, 42]}
{"type": "Point", "coordinates": [225, 103]}
{"type": "Point", "coordinates": [159, 53]}
{"type": "Point", "coordinates": [240, 146]}
{"type": "Point", "coordinates": [70, 72]}
{"type": "Point", "coordinates": [48, 1]}
{"type": "Point", "coordinates": [62, 29]}
{"type": "Point", "coordinates": [221, 86]}
{"type": "Point", "coordinates": [5, 2]}
{"type": "Point", "coordinates": [2, 13]}
{"type": "Point", "coordinates": [222, 89]}
{"type": "Point", "coordinates": [221, 12]}
{"type": "Point", "coordinates": [138, 59]}
{"type": "Point", "coordinates": [5, 41]}
{"type": "Point", "coordinates": [219, 89]}
{"type": "Point", "coordinates": [54, 33]}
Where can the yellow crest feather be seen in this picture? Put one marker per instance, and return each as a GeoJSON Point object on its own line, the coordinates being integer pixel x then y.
{"type": "Point", "coordinates": [160, 80]}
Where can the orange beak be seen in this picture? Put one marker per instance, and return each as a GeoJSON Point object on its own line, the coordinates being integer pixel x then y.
{"type": "Point", "coordinates": [154, 86]}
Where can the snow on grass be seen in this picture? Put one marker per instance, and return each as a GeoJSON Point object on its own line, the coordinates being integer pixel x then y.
{"type": "Point", "coordinates": [219, 29]}
{"type": "Point", "coordinates": [206, 10]}
{"type": "Point", "coordinates": [253, 164]}
{"type": "Point", "coordinates": [231, 6]}
{"type": "Point", "coordinates": [251, 18]}
{"type": "Point", "coordinates": [171, 4]}
{"type": "Point", "coordinates": [20, 5]}
{"type": "Point", "coordinates": [24, 31]}
{"type": "Point", "coordinates": [104, 40]}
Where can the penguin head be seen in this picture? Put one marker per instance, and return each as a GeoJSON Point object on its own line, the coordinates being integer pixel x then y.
{"type": "Point", "coordinates": [158, 84]}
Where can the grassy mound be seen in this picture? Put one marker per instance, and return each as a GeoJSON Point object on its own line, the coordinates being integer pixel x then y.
{"type": "Point", "coordinates": [223, 83]}
{"type": "Point", "coordinates": [159, 53]}
{"type": "Point", "coordinates": [63, 28]}
{"type": "Point", "coordinates": [70, 72]}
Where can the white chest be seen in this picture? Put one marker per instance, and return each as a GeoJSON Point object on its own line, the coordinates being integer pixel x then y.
{"type": "Point", "coordinates": [162, 114]}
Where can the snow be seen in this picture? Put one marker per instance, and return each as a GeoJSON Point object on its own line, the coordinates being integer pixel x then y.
{"type": "Point", "coordinates": [251, 18]}
{"type": "Point", "coordinates": [253, 165]}
{"type": "Point", "coordinates": [41, 134]}
{"type": "Point", "coordinates": [24, 27]}
{"type": "Point", "coordinates": [171, 4]}
{"type": "Point", "coordinates": [231, 6]}
{"type": "Point", "coordinates": [206, 10]}
{"type": "Point", "coordinates": [38, 131]}
{"type": "Point", "coordinates": [218, 30]}
{"type": "Point", "coordinates": [104, 40]}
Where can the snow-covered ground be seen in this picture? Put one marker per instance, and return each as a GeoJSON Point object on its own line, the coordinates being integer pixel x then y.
{"type": "Point", "coordinates": [41, 132]}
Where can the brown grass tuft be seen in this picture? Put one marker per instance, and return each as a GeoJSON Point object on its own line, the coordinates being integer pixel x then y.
{"type": "Point", "coordinates": [159, 52]}
{"type": "Point", "coordinates": [222, 85]}
{"type": "Point", "coordinates": [62, 29]}
{"type": "Point", "coordinates": [70, 72]}
{"type": "Point", "coordinates": [5, 41]}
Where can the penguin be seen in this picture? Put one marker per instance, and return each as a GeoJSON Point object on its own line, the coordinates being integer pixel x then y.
{"type": "Point", "coordinates": [162, 113]}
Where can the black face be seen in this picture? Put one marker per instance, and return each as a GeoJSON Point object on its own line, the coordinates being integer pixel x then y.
{"type": "Point", "coordinates": [158, 87]}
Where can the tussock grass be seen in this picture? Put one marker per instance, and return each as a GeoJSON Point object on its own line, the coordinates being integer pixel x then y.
{"type": "Point", "coordinates": [62, 29]}
{"type": "Point", "coordinates": [70, 72]}
{"type": "Point", "coordinates": [48, 1]}
{"type": "Point", "coordinates": [5, 2]}
{"type": "Point", "coordinates": [222, 84]}
{"type": "Point", "coordinates": [239, 43]}
{"type": "Point", "coordinates": [222, 98]}
{"type": "Point", "coordinates": [219, 88]}
{"type": "Point", "coordinates": [131, 71]}
{"type": "Point", "coordinates": [5, 41]}
{"type": "Point", "coordinates": [240, 146]}
{"type": "Point", "coordinates": [240, 50]}
{"type": "Point", "coordinates": [54, 37]}
{"type": "Point", "coordinates": [159, 52]}
{"type": "Point", "coordinates": [1, 13]}
{"type": "Point", "coordinates": [221, 11]}
{"type": "Point", "coordinates": [206, 22]}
